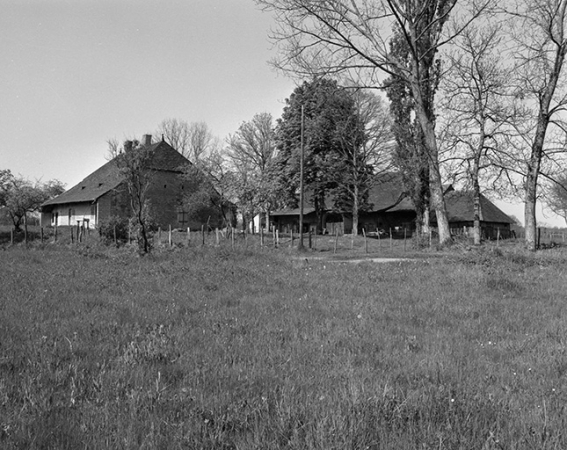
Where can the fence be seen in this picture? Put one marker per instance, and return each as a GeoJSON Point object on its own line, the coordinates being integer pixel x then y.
{"type": "Point", "coordinates": [377, 241]}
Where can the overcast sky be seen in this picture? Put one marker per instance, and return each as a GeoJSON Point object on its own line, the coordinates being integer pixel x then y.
{"type": "Point", "coordinates": [76, 73]}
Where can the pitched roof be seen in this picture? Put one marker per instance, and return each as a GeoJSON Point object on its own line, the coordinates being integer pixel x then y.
{"type": "Point", "coordinates": [293, 212]}
{"type": "Point", "coordinates": [108, 177]}
{"type": "Point", "coordinates": [460, 208]}
{"type": "Point", "coordinates": [388, 193]}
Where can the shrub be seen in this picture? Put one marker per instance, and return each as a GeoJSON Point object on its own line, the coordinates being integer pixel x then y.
{"type": "Point", "coordinates": [115, 224]}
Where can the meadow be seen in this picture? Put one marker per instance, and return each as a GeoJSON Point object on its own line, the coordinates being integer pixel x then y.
{"type": "Point", "coordinates": [262, 348]}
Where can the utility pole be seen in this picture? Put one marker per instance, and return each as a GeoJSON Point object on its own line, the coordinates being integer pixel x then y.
{"type": "Point", "coordinates": [300, 244]}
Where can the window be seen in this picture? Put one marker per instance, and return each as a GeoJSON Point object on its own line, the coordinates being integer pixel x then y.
{"type": "Point", "coordinates": [182, 217]}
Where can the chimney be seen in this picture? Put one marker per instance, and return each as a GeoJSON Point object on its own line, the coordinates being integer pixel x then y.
{"type": "Point", "coordinates": [147, 140]}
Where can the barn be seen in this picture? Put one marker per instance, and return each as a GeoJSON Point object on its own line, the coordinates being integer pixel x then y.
{"type": "Point", "coordinates": [391, 210]}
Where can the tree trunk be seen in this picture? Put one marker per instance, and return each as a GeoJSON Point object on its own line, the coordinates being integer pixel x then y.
{"type": "Point", "coordinates": [476, 202]}
{"type": "Point", "coordinates": [355, 211]}
{"type": "Point", "coordinates": [530, 209]}
{"type": "Point", "coordinates": [435, 183]}
{"type": "Point", "coordinates": [532, 177]}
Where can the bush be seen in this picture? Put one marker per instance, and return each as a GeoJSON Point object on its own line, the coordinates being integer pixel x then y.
{"type": "Point", "coordinates": [108, 228]}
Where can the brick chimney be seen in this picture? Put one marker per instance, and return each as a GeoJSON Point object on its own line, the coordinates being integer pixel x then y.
{"type": "Point", "coordinates": [147, 140]}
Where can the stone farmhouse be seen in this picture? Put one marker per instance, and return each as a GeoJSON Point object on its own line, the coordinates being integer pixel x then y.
{"type": "Point", "coordinates": [103, 194]}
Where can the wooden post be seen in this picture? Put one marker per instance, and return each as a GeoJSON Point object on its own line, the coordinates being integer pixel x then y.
{"type": "Point", "coordinates": [498, 237]}
{"type": "Point", "coordinates": [379, 239]}
{"type": "Point", "coordinates": [365, 241]}
{"type": "Point", "coordinates": [274, 236]}
{"type": "Point", "coordinates": [188, 236]}
{"type": "Point", "coordinates": [169, 237]}
{"type": "Point", "coordinates": [232, 236]}
{"type": "Point", "coordinates": [291, 240]}
{"type": "Point", "coordinates": [26, 228]}
{"type": "Point", "coordinates": [73, 239]}
{"type": "Point", "coordinates": [55, 234]}
{"type": "Point", "coordinates": [78, 231]}
{"type": "Point", "coordinates": [115, 239]}
{"type": "Point", "coordinates": [310, 239]}
{"type": "Point", "coordinates": [41, 234]}
{"type": "Point", "coordinates": [203, 233]}
{"type": "Point", "coordinates": [11, 236]}
{"type": "Point", "coordinates": [261, 236]}
{"type": "Point", "coordinates": [430, 237]}
{"type": "Point", "coordinates": [390, 237]}
{"type": "Point", "coordinates": [405, 238]}
{"type": "Point", "coordinates": [336, 239]}
{"type": "Point", "coordinates": [217, 236]}
{"type": "Point", "coordinates": [351, 239]}
{"type": "Point", "coordinates": [538, 237]}
{"type": "Point", "coordinates": [277, 238]}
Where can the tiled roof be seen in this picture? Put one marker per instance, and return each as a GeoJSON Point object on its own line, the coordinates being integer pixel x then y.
{"type": "Point", "coordinates": [460, 208]}
{"type": "Point", "coordinates": [293, 212]}
{"type": "Point", "coordinates": [388, 193]}
{"type": "Point", "coordinates": [108, 177]}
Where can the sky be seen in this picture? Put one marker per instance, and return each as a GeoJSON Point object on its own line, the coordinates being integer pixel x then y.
{"type": "Point", "coordinates": [76, 73]}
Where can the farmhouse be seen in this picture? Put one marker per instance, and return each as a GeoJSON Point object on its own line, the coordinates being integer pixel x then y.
{"type": "Point", "coordinates": [103, 194]}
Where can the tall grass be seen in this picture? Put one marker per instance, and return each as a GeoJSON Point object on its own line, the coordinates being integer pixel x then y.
{"type": "Point", "coordinates": [255, 349]}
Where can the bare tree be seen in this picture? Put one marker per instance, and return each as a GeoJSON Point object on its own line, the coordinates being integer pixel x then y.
{"type": "Point", "coordinates": [540, 55]}
{"type": "Point", "coordinates": [193, 140]}
{"type": "Point", "coordinates": [557, 197]}
{"type": "Point", "coordinates": [134, 162]}
{"type": "Point", "coordinates": [251, 150]}
{"type": "Point", "coordinates": [351, 38]}
{"type": "Point", "coordinates": [364, 155]}
{"type": "Point", "coordinates": [475, 109]}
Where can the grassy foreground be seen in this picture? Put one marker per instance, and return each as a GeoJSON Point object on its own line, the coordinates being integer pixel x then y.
{"type": "Point", "coordinates": [213, 348]}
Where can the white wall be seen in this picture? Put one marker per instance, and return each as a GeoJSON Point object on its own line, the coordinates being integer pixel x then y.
{"type": "Point", "coordinates": [80, 212]}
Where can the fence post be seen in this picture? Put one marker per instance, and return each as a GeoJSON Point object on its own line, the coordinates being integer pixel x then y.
{"type": "Point", "coordinates": [391, 237]}
{"type": "Point", "coordinates": [73, 239]}
{"type": "Point", "coordinates": [261, 236]}
{"type": "Point", "coordinates": [11, 236]}
{"type": "Point", "coordinates": [336, 239]}
{"type": "Point", "coordinates": [310, 242]}
{"type": "Point", "coordinates": [405, 238]}
{"type": "Point", "coordinates": [291, 241]}
{"type": "Point", "coordinates": [232, 236]}
{"type": "Point", "coordinates": [365, 241]}
{"type": "Point", "coordinates": [188, 236]}
{"type": "Point", "coordinates": [55, 235]}
{"type": "Point", "coordinates": [217, 236]}
{"type": "Point", "coordinates": [277, 238]}
{"type": "Point", "coordinates": [203, 233]}
{"type": "Point", "coordinates": [41, 234]}
{"type": "Point", "coordinates": [169, 237]}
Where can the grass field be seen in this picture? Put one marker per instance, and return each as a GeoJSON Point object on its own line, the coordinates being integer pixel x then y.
{"type": "Point", "coordinates": [248, 348]}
